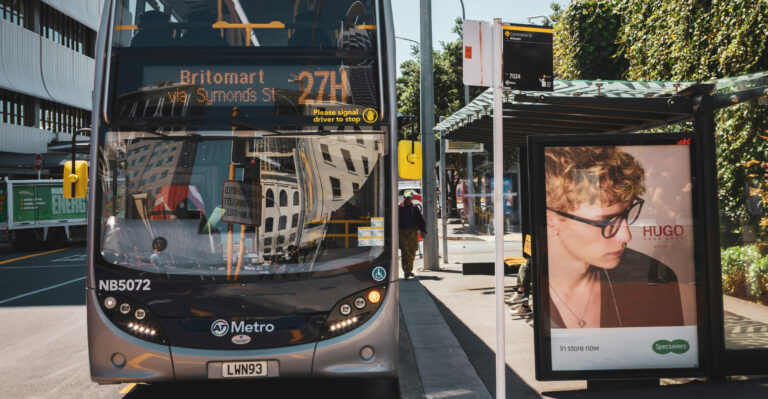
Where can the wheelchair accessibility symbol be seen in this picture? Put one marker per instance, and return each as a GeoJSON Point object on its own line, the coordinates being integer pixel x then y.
{"type": "Point", "coordinates": [379, 273]}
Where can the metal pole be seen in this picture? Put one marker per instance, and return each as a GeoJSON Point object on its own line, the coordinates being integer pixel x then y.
{"type": "Point", "coordinates": [498, 206]}
{"type": "Point", "coordinates": [431, 261]}
{"type": "Point", "coordinates": [443, 193]}
{"type": "Point", "coordinates": [466, 88]}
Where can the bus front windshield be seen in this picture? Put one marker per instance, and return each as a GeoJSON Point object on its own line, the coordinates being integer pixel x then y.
{"type": "Point", "coordinates": [216, 205]}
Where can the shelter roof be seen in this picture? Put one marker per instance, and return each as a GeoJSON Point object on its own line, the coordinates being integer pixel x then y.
{"type": "Point", "coordinates": [595, 106]}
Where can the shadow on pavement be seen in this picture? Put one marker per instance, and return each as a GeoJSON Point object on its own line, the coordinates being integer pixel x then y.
{"type": "Point", "coordinates": [282, 388]}
{"type": "Point", "coordinates": [483, 358]}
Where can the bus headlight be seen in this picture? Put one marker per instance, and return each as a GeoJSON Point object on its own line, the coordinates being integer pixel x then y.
{"type": "Point", "coordinates": [344, 317]}
{"type": "Point", "coordinates": [140, 323]}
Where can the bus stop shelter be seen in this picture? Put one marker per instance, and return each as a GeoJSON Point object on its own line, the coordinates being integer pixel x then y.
{"type": "Point", "coordinates": [628, 107]}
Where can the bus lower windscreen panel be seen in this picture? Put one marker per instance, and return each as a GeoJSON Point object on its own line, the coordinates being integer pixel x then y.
{"type": "Point", "coordinates": [296, 205]}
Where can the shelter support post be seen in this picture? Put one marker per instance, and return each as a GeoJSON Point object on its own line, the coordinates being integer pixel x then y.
{"type": "Point", "coordinates": [704, 123]}
{"type": "Point", "coordinates": [470, 210]}
{"type": "Point", "coordinates": [443, 194]}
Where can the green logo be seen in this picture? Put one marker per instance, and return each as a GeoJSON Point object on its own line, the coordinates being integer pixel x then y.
{"type": "Point", "coordinates": [663, 347]}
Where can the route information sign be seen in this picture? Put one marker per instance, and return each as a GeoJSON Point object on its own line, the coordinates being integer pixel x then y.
{"type": "Point", "coordinates": [241, 203]}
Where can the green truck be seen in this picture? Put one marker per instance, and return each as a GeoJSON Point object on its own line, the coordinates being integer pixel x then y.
{"type": "Point", "coordinates": [34, 214]}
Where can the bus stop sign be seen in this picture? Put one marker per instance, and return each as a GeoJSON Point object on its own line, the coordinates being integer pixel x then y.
{"type": "Point", "coordinates": [527, 63]}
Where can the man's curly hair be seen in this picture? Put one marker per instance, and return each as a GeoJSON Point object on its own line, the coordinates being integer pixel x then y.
{"type": "Point", "coordinates": [602, 176]}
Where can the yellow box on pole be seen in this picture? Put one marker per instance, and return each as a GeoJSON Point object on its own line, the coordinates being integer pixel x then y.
{"type": "Point", "coordinates": [75, 179]}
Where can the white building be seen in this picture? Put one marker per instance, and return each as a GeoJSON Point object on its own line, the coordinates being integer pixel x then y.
{"type": "Point", "coordinates": [46, 78]}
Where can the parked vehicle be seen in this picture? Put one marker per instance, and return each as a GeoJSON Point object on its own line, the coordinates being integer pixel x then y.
{"type": "Point", "coordinates": [34, 214]}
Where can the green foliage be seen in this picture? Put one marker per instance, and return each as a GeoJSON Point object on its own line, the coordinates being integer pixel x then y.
{"type": "Point", "coordinates": [681, 40]}
{"type": "Point", "coordinates": [449, 86]}
{"type": "Point", "coordinates": [585, 41]}
{"type": "Point", "coordinates": [736, 263]}
{"type": "Point", "coordinates": [757, 279]}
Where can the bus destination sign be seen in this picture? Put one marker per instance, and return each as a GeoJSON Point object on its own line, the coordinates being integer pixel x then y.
{"type": "Point", "coordinates": [316, 94]}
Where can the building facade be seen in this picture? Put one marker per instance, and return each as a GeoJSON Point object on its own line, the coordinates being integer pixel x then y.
{"type": "Point", "coordinates": [46, 79]}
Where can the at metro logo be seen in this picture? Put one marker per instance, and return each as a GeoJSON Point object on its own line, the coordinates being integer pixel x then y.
{"type": "Point", "coordinates": [667, 232]}
{"type": "Point", "coordinates": [221, 328]}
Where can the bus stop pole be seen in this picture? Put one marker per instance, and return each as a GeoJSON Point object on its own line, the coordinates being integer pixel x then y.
{"type": "Point", "coordinates": [498, 205]}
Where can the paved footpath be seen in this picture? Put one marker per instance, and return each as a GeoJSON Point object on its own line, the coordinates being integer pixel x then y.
{"type": "Point", "coordinates": [466, 304]}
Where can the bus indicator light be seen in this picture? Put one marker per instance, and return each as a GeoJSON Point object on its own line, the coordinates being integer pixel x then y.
{"type": "Point", "coordinates": [140, 314]}
{"type": "Point", "coordinates": [374, 297]}
{"type": "Point", "coordinates": [359, 303]}
{"type": "Point", "coordinates": [125, 308]}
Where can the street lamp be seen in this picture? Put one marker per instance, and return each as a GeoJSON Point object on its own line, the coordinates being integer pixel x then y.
{"type": "Point", "coordinates": [408, 40]}
{"type": "Point", "coordinates": [544, 17]}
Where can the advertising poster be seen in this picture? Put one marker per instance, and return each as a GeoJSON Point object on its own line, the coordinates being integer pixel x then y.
{"type": "Point", "coordinates": [619, 279]}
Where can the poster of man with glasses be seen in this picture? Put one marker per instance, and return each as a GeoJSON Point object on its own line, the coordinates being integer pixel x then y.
{"type": "Point", "coordinates": [620, 281]}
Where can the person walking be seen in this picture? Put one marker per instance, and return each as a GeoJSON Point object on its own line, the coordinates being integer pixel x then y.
{"type": "Point", "coordinates": [411, 222]}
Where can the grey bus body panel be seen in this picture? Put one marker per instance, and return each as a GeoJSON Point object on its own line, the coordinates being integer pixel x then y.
{"type": "Point", "coordinates": [340, 356]}
{"type": "Point", "coordinates": [336, 357]}
{"type": "Point", "coordinates": [145, 361]}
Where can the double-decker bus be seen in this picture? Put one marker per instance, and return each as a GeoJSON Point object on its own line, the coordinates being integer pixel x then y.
{"type": "Point", "coordinates": [242, 197]}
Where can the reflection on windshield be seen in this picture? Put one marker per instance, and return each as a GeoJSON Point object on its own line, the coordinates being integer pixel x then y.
{"type": "Point", "coordinates": [242, 207]}
{"type": "Point", "coordinates": [323, 24]}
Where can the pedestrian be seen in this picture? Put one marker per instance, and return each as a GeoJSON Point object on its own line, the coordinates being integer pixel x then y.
{"type": "Point", "coordinates": [411, 222]}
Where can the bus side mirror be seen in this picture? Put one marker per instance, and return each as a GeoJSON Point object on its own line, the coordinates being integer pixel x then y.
{"type": "Point", "coordinates": [75, 179]}
{"type": "Point", "coordinates": [409, 159]}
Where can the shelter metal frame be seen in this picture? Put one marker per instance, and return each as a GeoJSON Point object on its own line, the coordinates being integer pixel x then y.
{"type": "Point", "coordinates": [627, 107]}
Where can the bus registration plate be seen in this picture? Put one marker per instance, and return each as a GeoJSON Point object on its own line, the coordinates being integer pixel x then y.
{"type": "Point", "coordinates": [244, 369]}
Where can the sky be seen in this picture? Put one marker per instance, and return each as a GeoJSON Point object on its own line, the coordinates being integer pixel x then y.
{"type": "Point", "coordinates": [406, 14]}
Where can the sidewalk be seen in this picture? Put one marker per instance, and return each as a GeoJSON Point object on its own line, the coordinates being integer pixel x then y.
{"type": "Point", "coordinates": [465, 305]}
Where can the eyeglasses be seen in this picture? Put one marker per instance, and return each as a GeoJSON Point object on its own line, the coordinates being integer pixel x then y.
{"type": "Point", "coordinates": [610, 226]}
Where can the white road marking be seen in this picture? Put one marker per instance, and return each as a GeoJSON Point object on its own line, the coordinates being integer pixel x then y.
{"type": "Point", "coordinates": [40, 290]}
{"type": "Point", "coordinates": [71, 258]}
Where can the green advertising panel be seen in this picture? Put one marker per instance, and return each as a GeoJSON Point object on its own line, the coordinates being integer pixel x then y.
{"type": "Point", "coordinates": [45, 202]}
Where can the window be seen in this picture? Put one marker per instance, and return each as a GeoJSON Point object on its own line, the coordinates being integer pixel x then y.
{"type": "Point", "coordinates": [14, 11]}
{"type": "Point", "coordinates": [281, 240]}
{"type": "Point", "coordinates": [295, 220]}
{"type": "Point", "coordinates": [268, 224]}
{"type": "Point", "coordinates": [360, 141]}
{"type": "Point", "coordinates": [293, 237]}
{"type": "Point", "coordinates": [348, 160]}
{"type": "Point", "coordinates": [355, 188]}
{"type": "Point", "coordinates": [270, 198]}
{"type": "Point", "coordinates": [62, 118]}
{"type": "Point", "coordinates": [152, 179]}
{"type": "Point", "coordinates": [165, 173]}
{"type": "Point", "coordinates": [282, 223]}
{"type": "Point", "coordinates": [295, 198]}
{"type": "Point", "coordinates": [365, 165]}
{"type": "Point", "coordinates": [65, 31]}
{"type": "Point", "coordinates": [283, 198]}
{"type": "Point", "coordinates": [336, 187]}
{"type": "Point", "coordinates": [268, 241]}
{"type": "Point", "coordinates": [326, 153]}
{"type": "Point", "coordinates": [13, 107]}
